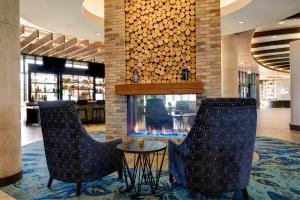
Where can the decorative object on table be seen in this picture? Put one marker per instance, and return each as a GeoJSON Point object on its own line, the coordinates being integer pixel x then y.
{"type": "Point", "coordinates": [143, 172]}
{"type": "Point", "coordinates": [135, 76]}
{"type": "Point", "coordinates": [217, 153]}
{"type": "Point", "coordinates": [72, 155]}
{"type": "Point", "coordinates": [185, 74]}
{"type": "Point", "coordinates": [141, 142]}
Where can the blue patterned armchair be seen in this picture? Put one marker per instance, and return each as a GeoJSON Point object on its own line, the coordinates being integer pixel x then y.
{"type": "Point", "coordinates": [216, 156]}
{"type": "Point", "coordinates": [71, 154]}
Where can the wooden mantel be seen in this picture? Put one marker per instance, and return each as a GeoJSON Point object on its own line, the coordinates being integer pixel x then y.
{"type": "Point", "coordinates": [195, 87]}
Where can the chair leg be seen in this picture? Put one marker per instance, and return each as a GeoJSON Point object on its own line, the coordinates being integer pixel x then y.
{"type": "Point", "coordinates": [171, 178]}
{"type": "Point", "coordinates": [50, 182]}
{"type": "Point", "coordinates": [245, 194]}
{"type": "Point", "coordinates": [120, 173]}
{"type": "Point", "coordinates": [78, 188]}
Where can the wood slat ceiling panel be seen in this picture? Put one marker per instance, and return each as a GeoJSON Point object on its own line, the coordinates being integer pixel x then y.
{"type": "Point", "coordinates": [43, 43]}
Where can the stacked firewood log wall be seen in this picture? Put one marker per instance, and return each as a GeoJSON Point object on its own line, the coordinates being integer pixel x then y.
{"type": "Point", "coordinates": [160, 39]}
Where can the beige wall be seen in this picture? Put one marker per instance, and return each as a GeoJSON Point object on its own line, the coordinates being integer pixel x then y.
{"type": "Point", "coordinates": [295, 82]}
{"type": "Point", "coordinates": [10, 161]}
{"type": "Point", "coordinates": [229, 60]}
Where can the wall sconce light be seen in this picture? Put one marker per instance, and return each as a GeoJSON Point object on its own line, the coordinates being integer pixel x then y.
{"type": "Point", "coordinates": [135, 76]}
{"type": "Point", "coordinates": [185, 74]}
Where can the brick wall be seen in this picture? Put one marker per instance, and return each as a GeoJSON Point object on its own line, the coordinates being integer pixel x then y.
{"type": "Point", "coordinates": [208, 46]}
{"type": "Point", "coordinates": [115, 106]}
{"type": "Point", "coordinates": [208, 56]}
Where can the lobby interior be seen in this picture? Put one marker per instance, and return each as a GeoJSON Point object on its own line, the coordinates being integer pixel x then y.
{"type": "Point", "coordinates": [114, 58]}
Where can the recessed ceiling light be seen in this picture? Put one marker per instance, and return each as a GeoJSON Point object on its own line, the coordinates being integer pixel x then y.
{"type": "Point", "coordinates": [282, 22]}
{"type": "Point", "coordinates": [275, 36]}
{"type": "Point", "coordinates": [241, 22]}
{"type": "Point", "coordinates": [98, 34]}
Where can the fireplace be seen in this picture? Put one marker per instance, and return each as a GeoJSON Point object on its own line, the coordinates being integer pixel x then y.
{"type": "Point", "coordinates": [161, 115]}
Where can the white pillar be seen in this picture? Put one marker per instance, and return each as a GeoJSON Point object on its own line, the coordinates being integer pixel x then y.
{"type": "Point", "coordinates": [10, 159]}
{"type": "Point", "coordinates": [229, 66]}
{"type": "Point", "coordinates": [295, 84]}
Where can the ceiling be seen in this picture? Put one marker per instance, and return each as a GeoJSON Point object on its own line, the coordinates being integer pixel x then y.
{"type": "Point", "coordinates": [270, 44]}
{"type": "Point", "coordinates": [69, 17]}
{"type": "Point", "coordinates": [43, 43]}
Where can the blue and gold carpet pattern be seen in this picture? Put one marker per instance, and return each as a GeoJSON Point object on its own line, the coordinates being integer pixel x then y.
{"type": "Point", "coordinates": [276, 175]}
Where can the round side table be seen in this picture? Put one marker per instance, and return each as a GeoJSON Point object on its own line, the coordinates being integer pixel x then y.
{"type": "Point", "coordinates": [143, 171]}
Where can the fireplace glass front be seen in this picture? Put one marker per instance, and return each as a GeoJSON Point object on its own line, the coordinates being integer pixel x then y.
{"type": "Point", "coordinates": [161, 115]}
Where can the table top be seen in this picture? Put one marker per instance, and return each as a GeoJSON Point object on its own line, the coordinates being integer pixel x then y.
{"type": "Point", "coordinates": [148, 147]}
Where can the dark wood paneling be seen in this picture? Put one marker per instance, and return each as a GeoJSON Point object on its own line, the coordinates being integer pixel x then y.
{"type": "Point", "coordinates": [270, 51]}
{"type": "Point", "coordinates": [276, 32]}
{"type": "Point", "coordinates": [276, 60]}
{"type": "Point", "coordinates": [160, 88]}
{"type": "Point", "coordinates": [273, 56]}
{"type": "Point", "coordinates": [272, 43]}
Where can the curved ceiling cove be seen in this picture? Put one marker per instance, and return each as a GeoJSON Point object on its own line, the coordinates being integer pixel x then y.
{"type": "Point", "coordinates": [256, 13]}
{"type": "Point", "coordinates": [64, 17]}
{"type": "Point", "coordinates": [270, 44]}
{"type": "Point", "coordinates": [93, 10]}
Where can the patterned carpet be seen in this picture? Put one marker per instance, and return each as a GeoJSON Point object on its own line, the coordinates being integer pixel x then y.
{"type": "Point", "coordinates": [275, 176]}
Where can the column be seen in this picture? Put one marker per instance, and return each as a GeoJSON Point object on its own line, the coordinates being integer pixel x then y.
{"type": "Point", "coordinates": [10, 153]}
{"type": "Point", "coordinates": [229, 66]}
{"type": "Point", "coordinates": [295, 85]}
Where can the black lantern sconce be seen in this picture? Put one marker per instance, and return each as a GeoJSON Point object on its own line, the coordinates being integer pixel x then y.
{"type": "Point", "coordinates": [135, 76]}
{"type": "Point", "coordinates": [185, 74]}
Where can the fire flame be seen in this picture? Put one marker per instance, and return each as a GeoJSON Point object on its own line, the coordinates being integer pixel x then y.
{"type": "Point", "coordinates": [163, 130]}
{"type": "Point", "coordinates": [154, 131]}
{"type": "Point", "coordinates": [136, 128]}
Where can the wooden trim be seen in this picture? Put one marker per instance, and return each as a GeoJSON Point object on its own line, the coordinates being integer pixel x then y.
{"type": "Point", "coordinates": [35, 34]}
{"type": "Point", "coordinates": [272, 43]}
{"type": "Point", "coordinates": [11, 179]}
{"type": "Point", "coordinates": [270, 51]}
{"type": "Point", "coordinates": [276, 32]}
{"type": "Point", "coordinates": [160, 88]}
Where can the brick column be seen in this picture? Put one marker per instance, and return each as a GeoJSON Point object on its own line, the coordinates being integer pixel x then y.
{"type": "Point", "coordinates": [115, 106]}
{"type": "Point", "coordinates": [208, 49]}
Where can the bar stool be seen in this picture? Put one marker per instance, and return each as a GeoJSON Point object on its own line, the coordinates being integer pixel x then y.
{"type": "Point", "coordinates": [82, 108]}
{"type": "Point", "coordinates": [99, 111]}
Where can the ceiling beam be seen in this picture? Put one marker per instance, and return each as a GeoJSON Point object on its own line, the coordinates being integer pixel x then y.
{"type": "Point", "coordinates": [86, 54]}
{"type": "Point", "coordinates": [272, 43]}
{"type": "Point", "coordinates": [22, 30]}
{"type": "Point", "coordinates": [273, 56]}
{"type": "Point", "coordinates": [279, 64]}
{"type": "Point", "coordinates": [23, 44]}
{"type": "Point", "coordinates": [33, 47]}
{"type": "Point", "coordinates": [44, 49]}
{"type": "Point", "coordinates": [63, 46]}
{"type": "Point", "coordinates": [95, 45]}
{"type": "Point", "coordinates": [60, 39]}
{"type": "Point", "coordinates": [270, 51]}
{"type": "Point", "coordinates": [276, 60]}
{"type": "Point", "coordinates": [67, 51]}
{"type": "Point", "coordinates": [276, 32]}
